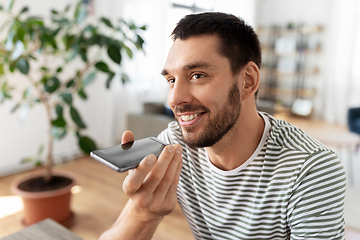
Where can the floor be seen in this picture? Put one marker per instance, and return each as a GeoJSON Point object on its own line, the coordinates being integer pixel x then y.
{"type": "Point", "coordinates": [98, 199]}
{"type": "Point", "coordinates": [97, 202]}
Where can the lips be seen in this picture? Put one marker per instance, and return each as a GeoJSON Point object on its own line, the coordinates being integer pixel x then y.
{"type": "Point", "coordinates": [190, 120]}
{"type": "Point", "coordinates": [189, 115]}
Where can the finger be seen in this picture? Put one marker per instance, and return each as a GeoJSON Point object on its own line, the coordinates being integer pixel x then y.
{"type": "Point", "coordinates": [173, 187]}
{"type": "Point", "coordinates": [157, 173]}
{"type": "Point", "coordinates": [127, 136]}
{"type": "Point", "coordinates": [135, 178]}
{"type": "Point", "coordinates": [170, 176]}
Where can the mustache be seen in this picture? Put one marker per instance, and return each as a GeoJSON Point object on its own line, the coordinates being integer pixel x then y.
{"type": "Point", "coordinates": [190, 108]}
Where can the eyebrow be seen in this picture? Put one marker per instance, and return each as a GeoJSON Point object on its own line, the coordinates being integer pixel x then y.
{"type": "Point", "coordinates": [190, 66]}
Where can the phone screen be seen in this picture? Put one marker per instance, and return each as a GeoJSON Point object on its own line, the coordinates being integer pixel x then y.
{"type": "Point", "coordinates": [126, 156]}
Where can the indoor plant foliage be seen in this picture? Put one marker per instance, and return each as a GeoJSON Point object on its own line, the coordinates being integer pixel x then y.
{"type": "Point", "coordinates": [59, 57]}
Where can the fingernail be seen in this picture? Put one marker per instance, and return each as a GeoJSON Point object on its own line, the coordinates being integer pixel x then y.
{"type": "Point", "coordinates": [178, 148]}
{"type": "Point", "coordinates": [151, 159]}
{"type": "Point", "coordinates": [170, 148]}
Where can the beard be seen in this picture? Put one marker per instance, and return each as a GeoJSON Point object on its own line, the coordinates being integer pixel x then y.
{"type": "Point", "coordinates": [218, 125]}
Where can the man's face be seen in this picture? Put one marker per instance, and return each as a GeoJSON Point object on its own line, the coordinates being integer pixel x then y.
{"type": "Point", "coordinates": [203, 94]}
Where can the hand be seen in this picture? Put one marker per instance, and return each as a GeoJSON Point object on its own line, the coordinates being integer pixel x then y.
{"type": "Point", "coordinates": [152, 185]}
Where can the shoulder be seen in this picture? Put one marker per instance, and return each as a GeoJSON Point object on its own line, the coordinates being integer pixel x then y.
{"type": "Point", "coordinates": [287, 136]}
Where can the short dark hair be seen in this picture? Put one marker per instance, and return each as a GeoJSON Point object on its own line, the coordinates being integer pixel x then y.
{"type": "Point", "coordinates": [239, 42]}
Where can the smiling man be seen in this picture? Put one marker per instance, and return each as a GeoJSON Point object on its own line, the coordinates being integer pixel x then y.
{"type": "Point", "coordinates": [237, 173]}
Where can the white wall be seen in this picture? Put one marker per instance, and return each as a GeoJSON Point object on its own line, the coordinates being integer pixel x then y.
{"type": "Point", "coordinates": [297, 11]}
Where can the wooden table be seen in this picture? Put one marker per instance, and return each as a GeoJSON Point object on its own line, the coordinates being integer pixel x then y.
{"type": "Point", "coordinates": [47, 229]}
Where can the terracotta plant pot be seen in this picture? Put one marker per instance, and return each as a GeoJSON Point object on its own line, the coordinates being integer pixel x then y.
{"type": "Point", "coordinates": [40, 204]}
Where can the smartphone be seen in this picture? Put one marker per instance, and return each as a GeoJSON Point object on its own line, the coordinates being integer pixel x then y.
{"type": "Point", "coordinates": [127, 156]}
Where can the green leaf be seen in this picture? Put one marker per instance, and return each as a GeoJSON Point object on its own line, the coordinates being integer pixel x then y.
{"type": "Point", "coordinates": [67, 98]}
{"type": "Point", "coordinates": [62, 21]}
{"type": "Point", "coordinates": [55, 12]}
{"type": "Point", "coordinates": [69, 40]}
{"type": "Point", "coordinates": [22, 65]}
{"type": "Point", "coordinates": [24, 10]}
{"type": "Point", "coordinates": [70, 83]}
{"type": "Point", "coordinates": [58, 132]}
{"type": "Point", "coordinates": [38, 163]}
{"type": "Point", "coordinates": [27, 160]}
{"type": "Point", "coordinates": [83, 54]}
{"type": "Point", "coordinates": [143, 27]}
{"type": "Point", "coordinates": [19, 49]}
{"type": "Point", "coordinates": [139, 42]}
{"type": "Point", "coordinates": [1, 7]}
{"type": "Point", "coordinates": [13, 110]}
{"type": "Point", "coordinates": [24, 112]}
{"type": "Point", "coordinates": [80, 12]}
{"type": "Point", "coordinates": [77, 9]}
{"type": "Point", "coordinates": [128, 51]}
{"type": "Point", "coordinates": [107, 22]}
{"type": "Point", "coordinates": [90, 28]}
{"type": "Point", "coordinates": [102, 66]}
{"type": "Point", "coordinates": [54, 32]}
{"type": "Point", "coordinates": [40, 150]}
{"type": "Point", "coordinates": [34, 22]}
{"type": "Point", "coordinates": [12, 66]}
{"type": "Point", "coordinates": [125, 78]}
{"type": "Point", "coordinates": [9, 5]}
{"type": "Point", "coordinates": [59, 110]}
{"type": "Point", "coordinates": [26, 93]}
{"type": "Point", "coordinates": [4, 92]}
{"type": "Point", "coordinates": [132, 26]}
{"type": "Point", "coordinates": [59, 122]}
{"type": "Point", "coordinates": [44, 69]}
{"type": "Point", "coordinates": [82, 94]}
{"type": "Point", "coordinates": [10, 39]}
{"type": "Point", "coordinates": [52, 84]}
{"type": "Point", "coordinates": [114, 53]}
{"type": "Point", "coordinates": [59, 69]}
{"type": "Point", "coordinates": [76, 118]}
{"type": "Point", "coordinates": [44, 79]}
{"type": "Point", "coordinates": [86, 144]}
{"type": "Point", "coordinates": [70, 55]}
{"type": "Point", "coordinates": [67, 8]}
{"type": "Point", "coordinates": [109, 79]}
{"type": "Point", "coordinates": [89, 78]}
{"type": "Point", "coordinates": [32, 57]}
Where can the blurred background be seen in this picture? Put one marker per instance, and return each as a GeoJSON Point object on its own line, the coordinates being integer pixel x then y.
{"type": "Point", "coordinates": [310, 77]}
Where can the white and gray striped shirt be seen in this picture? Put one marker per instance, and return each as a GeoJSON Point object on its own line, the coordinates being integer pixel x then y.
{"type": "Point", "coordinates": [292, 187]}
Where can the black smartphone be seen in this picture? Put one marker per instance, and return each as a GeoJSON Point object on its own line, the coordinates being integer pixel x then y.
{"type": "Point", "coordinates": [127, 156]}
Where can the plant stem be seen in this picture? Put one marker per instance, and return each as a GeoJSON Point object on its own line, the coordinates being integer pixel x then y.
{"type": "Point", "coordinates": [46, 102]}
{"type": "Point", "coordinates": [49, 160]}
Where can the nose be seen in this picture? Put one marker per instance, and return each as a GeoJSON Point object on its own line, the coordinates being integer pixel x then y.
{"type": "Point", "coordinates": [179, 94]}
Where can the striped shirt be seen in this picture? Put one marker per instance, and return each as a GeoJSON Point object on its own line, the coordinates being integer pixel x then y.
{"type": "Point", "coordinates": [292, 187]}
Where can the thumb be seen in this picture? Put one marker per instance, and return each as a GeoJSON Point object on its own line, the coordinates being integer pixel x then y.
{"type": "Point", "coordinates": [127, 136]}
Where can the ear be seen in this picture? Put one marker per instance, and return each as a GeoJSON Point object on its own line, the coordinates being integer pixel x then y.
{"type": "Point", "coordinates": [250, 76]}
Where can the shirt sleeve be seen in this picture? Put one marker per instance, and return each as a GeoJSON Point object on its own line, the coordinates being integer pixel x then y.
{"type": "Point", "coordinates": [316, 206]}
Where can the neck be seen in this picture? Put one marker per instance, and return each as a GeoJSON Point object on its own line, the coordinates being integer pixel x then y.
{"type": "Point", "coordinates": [237, 146]}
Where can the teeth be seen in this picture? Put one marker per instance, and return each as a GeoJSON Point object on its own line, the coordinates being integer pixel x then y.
{"type": "Point", "coordinates": [186, 118]}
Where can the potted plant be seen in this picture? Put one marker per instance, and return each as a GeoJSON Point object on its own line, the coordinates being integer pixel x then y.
{"type": "Point", "coordinates": [42, 50]}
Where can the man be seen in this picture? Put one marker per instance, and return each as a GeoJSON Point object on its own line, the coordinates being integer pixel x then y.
{"type": "Point", "coordinates": [236, 173]}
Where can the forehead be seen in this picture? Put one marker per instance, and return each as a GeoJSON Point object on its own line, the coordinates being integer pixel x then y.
{"type": "Point", "coordinates": [203, 48]}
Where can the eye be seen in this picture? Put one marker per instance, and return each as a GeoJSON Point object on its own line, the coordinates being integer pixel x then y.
{"type": "Point", "coordinates": [197, 76]}
{"type": "Point", "coordinates": [171, 81]}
